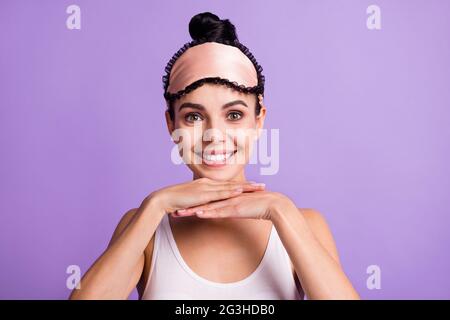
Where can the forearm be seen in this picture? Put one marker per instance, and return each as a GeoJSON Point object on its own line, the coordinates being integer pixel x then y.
{"type": "Point", "coordinates": [320, 275]}
{"type": "Point", "coordinates": [109, 277]}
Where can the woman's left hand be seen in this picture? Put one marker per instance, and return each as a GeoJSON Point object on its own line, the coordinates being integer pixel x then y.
{"type": "Point", "coordinates": [253, 205]}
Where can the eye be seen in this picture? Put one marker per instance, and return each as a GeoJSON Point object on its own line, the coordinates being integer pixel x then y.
{"type": "Point", "coordinates": [192, 117]}
{"type": "Point", "coordinates": [233, 116]}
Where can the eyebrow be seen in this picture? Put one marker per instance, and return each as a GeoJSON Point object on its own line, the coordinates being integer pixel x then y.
{"type": "Point", "coordinates": [201, 107]}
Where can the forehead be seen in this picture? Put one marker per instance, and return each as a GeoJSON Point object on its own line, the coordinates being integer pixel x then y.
{"type": "Point", "coordinates": [214, 96]}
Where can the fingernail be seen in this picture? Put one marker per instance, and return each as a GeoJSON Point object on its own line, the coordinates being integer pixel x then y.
{"type": "Point", "coordinates": [181, 210]}
{"type": "Point", "coordinates": [258, 184]}
{"type": "Point", "coordinates": [199, 212]}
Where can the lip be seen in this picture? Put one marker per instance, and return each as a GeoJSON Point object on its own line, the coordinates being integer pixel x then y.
{"type": "Point", "coordinates": [216, 164]}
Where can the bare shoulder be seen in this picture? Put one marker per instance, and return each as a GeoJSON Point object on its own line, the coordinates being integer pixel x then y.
{"type": "Point", "coordinates": [314, 218]}
{"type": "Point", "coordinates": [319, 226]}
{"type": "Point", "coordinates": [126, 218]}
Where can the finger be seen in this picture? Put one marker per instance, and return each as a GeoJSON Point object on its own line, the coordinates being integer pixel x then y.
{"type": "Point", "coordinates": [224, 212]}
{"type": "Point", "coordinates": [208, 206]}
{"type": "Point", "coordinates": [211, 193]}
{"type": "Point", "coordinates": [246, 186]}
{"type": "Point", "coordinates": [254, 187]}
{"type": "Point", "coordinates": [242, 183]}
{"type": "Point", "coordinates": [222, 194]}
{"type": "Point", "coordinates": [215, 195]}
{"type": "Point", "coordinates": [229, 192]}
{"type": "Point", "coordinates": [183, 214]}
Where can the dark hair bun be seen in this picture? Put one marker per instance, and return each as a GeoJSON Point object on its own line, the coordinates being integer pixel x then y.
{"type": "Point", "coordinates": [206, 26]}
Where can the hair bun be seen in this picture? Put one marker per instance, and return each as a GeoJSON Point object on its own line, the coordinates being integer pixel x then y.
{"type": "Point", "coordinates": [206, 26]}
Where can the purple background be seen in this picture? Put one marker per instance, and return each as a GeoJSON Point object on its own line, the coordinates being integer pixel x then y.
{"type": "Point", "coordinates": [363, 117]}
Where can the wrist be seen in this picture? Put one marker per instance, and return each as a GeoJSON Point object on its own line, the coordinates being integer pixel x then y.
{"type": "Point", "coordinates": [153, 204]}
{"type": "Point", "coordinates": [281, 208]}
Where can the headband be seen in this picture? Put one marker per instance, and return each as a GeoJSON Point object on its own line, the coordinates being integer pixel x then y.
{"type": "Point", "coordinates": [212, 60]}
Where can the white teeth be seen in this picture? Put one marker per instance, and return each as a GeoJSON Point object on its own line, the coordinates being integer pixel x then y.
{"type": "Point", "coordinates": [218, 157]}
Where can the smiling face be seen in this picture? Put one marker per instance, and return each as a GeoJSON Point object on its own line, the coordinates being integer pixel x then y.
{"type": "Point", "coordinates": [218, 126]}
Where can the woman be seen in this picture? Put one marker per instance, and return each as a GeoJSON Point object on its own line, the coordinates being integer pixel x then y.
{"type": "Point", "coordinates": [218, 236]}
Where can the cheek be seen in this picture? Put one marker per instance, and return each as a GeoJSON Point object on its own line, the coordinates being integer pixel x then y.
{"type": "Point", "coordinates": [194, 140]}
{"type": "Point", "coordinates": [178, 121]}
{"type": "Point", "coordinates": [244, 139]}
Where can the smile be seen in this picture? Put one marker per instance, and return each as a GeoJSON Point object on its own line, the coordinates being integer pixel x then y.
{"type": "Point", "coordinates": [216, 160]}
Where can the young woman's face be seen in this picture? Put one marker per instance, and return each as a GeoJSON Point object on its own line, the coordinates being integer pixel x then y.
{"type": "Point", "coordinates": [218, 126]}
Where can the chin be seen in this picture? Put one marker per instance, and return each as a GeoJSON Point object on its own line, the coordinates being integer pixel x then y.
{"type": "Point", "coordinates": [220, 174]}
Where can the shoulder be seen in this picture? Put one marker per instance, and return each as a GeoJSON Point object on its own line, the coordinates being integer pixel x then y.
{"type": "Point", "coordinates": [126, 218]}
{"type": "Point", "coordinates": [315, 218]}
{"type": "Point", "coordinates": [310, 212]}
{"type": "Point", "coordinates": [319, 226]}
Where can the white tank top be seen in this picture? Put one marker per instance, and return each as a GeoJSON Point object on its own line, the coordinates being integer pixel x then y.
{"type": "Point", "coordinates": [171, 278]}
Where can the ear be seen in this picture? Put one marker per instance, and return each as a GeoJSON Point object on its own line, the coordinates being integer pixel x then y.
{"type": "Point", "coordinates": [169, 122]}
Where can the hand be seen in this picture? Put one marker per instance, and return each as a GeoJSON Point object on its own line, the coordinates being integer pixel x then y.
{"type": "Point", "coordinates": [253, 205]}
{"type": "Point", "coordinates": [198, 192]}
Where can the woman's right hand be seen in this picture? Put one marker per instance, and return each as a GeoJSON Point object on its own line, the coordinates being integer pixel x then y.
{"type": "Point", "coordinates": [200, 191]}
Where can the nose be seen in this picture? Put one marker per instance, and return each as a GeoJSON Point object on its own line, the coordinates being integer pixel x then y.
{"type": "Point", "coordinates": [215, 131]}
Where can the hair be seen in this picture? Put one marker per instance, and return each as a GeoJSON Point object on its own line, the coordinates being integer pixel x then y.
{"type": "Point", "coordinates": [207, 27]}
